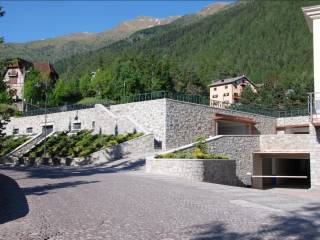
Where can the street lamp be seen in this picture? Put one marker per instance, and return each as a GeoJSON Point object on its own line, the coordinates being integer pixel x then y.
{"type": "Point", "coordinates": [38, 85]}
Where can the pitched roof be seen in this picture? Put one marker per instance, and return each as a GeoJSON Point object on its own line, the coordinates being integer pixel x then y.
{"type": "Point", "coordinates": [18, 63]}
{"type": "Point", "coordinates": [229, 81]}
{"type": "Point", "coordinates": [45, 68]}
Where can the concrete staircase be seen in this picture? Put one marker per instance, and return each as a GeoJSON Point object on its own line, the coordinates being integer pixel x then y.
{"type": "Point", "coordinates": [29, 145]}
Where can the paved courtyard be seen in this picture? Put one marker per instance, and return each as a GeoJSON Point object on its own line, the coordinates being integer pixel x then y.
{"type": "Point", "coordinates": [97, 203]}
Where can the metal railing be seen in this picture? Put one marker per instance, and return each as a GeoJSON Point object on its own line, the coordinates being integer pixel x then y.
{"type": "Point", "coordinates": [250, 108]}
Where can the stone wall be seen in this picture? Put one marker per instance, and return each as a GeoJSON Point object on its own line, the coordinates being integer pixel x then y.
{"type": "Point", "coordinates": [238, 148]}
{"type": "Point", "coordinates": [214, 171]}
{"type": "Point", "coordinates": [140, 145]}
{"type": "Point", "coordinates": [264, 124]}
{"type": "Point", "coordinates": [150, 116]}
{"type": "Point", "coordinates": [98, 119]}
{"type": "Point", "coordinates": [186, 121]}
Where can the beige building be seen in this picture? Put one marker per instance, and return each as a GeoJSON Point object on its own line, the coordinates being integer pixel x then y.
{"type": "Point", "coordinates": [15, 75]}
{"type": "Point", "coordinates": [228, 91]}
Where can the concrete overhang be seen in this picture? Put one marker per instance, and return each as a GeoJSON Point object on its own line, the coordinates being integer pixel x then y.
{"type": "Point", "coordinates": [311, 13]}
{"type": "Point", "coordinates": [281, 153]}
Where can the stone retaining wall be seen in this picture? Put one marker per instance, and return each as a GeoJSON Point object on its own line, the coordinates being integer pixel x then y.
{"type": "Point", "coordinates": [143, 144]}
{"type": "Point", "coordinates": [186, 121]}
{"type": "Point", "coordinates": [214, 171]}
{"type": "Point", "coordinates": [99, 119]}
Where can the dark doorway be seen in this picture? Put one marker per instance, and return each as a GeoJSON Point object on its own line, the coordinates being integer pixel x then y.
{"type": "Point", "coordinates": [291, 173]}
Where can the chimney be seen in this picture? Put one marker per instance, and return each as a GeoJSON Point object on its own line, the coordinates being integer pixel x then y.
{"type": "Point", "coordinates": [312, 15]}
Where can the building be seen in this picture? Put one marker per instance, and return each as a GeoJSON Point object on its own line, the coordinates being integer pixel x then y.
{"type": "Point", "coordinates": [16, 71]}
{"type": "Point", "coordinates": [228, 91]}
{"type": "Point", "coordinates": [15, 75]}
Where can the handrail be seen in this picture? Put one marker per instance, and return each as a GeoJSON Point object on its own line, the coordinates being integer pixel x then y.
{"type": "Point", "coordinates": [250, 108]}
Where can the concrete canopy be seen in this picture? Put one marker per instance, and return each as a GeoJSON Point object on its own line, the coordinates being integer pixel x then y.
{"type": "Point", "coordinates": [311, 13]}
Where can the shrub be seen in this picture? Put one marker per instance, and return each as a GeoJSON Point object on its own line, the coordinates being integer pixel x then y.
{"type": "Point", "coordinates": [81, 144]}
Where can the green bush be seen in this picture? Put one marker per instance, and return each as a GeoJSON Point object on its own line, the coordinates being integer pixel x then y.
{"type": "Point", "coordinates": [81, 144]}
{"type": "Point", "coordinates": [195, 154]}
{"type": "Point", "coordinates": [10, 143]}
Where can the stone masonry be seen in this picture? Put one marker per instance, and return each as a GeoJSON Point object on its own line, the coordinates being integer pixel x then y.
{"type": "Point", "coordinates": [214, 171]}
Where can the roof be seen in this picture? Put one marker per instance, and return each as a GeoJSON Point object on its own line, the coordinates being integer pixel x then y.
{"type": "Point", "coordinates": [18, 63]}
{"type": "Point", "coordinates": [45, 68]}
{"type": "Point", "coordinates": [311, 13]}
{"type": "Point", "coordinates": [229, 81]}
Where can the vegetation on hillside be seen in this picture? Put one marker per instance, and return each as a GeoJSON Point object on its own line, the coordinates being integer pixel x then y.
{"type": "Point", "coordinates": [10, 143]}
{"type": "Point", "coordinates": [267, 40]}
{"type": "Point", "coordinates": [80, 144]}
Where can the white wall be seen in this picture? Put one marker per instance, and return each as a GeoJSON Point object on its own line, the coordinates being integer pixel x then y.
{"type": "Point", "coordinates": [316, 56]}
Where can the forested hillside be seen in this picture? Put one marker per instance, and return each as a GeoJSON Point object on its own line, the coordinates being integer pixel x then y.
{"type": "Point", "coordinates": [266, 40]}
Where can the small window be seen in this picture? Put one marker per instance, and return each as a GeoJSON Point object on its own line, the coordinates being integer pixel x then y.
{"type": "Point", "coordinates": [236, 94]}
{"type": "Point", "coordinates": [93, 124]}
{"type": "Point", "coordinates": [29, 130]}
{"type": "Point", "coordinates": [215, 89]}
{"type": "Point", "coordinates": [77, 126]}
{"type": "Point", "coordinates": [235, 86]}
{"type": "Point", "coordinates": [214, 96]}
{"type": "Point", "coordinates": [226, 87]}
{"type": "Point", "coordinates": [15, 131]}
{"type": "Point", "coordinates": [226, 94]}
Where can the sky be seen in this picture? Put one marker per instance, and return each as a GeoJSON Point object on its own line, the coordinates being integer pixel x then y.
{"type": "Point", "coordinates": [34, 20]}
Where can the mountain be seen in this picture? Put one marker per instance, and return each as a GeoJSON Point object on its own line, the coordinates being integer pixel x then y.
{"type": "Point", "coordinates": [68, 45]}
{"type": "Point", "coordinates": [267, 40]}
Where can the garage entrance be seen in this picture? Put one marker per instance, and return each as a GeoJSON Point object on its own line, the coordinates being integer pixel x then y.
{"type": "Point", "coordinates": [281, 170]}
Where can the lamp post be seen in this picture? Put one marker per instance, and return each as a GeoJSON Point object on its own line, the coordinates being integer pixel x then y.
{"type": "Point", "coordinates": [38, 85]}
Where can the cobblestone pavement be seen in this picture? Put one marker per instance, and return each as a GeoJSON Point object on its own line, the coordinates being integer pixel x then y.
{"type": "Point", "coordinates": [97, 203]}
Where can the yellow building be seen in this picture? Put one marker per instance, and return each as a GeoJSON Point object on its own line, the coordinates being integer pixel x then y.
{"type": "Point", "coordinates": [228, 91]}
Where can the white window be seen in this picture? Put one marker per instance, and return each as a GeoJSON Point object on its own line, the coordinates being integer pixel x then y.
{"type": "Point", "coordinates": [29, 130]}
{"type": "Point", "coordinates": [226, 94]}
{"type": "Point", "coordinates": [215, 96]}
{"type": "Point", "coordinates": [15, 131]}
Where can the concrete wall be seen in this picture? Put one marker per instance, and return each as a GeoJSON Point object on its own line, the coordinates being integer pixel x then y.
{"type": "Point", "coordinates": [214, 171]}
{"type": "Point", "coordinates": [285, 143]}
{"type": "Point", "coordinates": [287, 121]}
{"type": "Point", "coordinates": [315, 156]}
